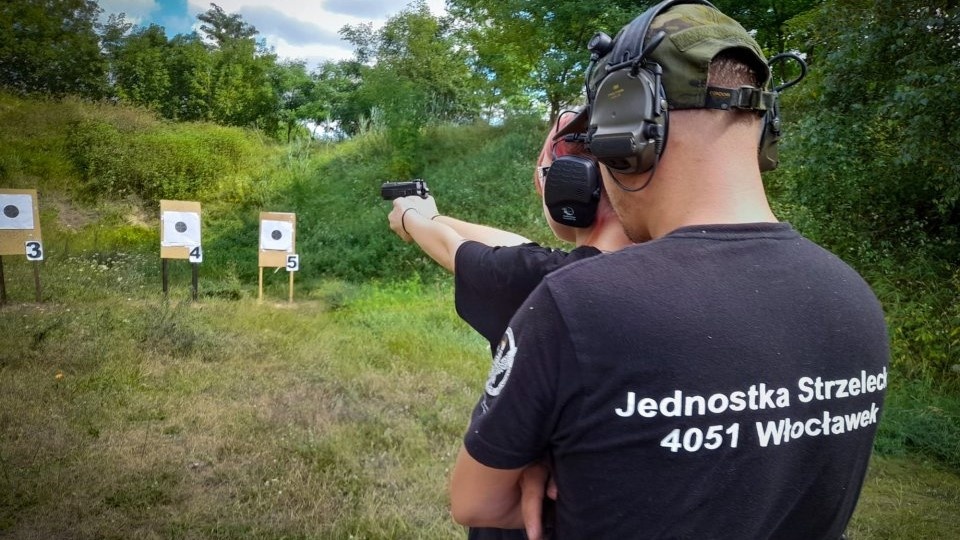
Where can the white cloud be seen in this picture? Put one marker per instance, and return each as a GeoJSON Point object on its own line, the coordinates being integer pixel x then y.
{"type": "Point", "coordinates": [373, 9]}
{"type": "Point", "coordinates": [297, 29]}
{"type": "Point", "coordinates": [271, 22]}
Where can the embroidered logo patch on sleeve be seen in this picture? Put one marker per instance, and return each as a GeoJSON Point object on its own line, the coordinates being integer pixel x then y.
{"type": "Point", "coordinates": [502, 364]}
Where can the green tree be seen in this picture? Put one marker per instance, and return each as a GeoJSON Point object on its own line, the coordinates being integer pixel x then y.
{"type": "Point", "coordinates": [221, 28]}
{"type": "Point", "coordinates": [417, 73]}
{"type": "Point", "coordinates": [778, 27]}
{"type": "Point", "coordinates": [139, 65]}
{"type": "Point", "coordinates": [190, 69]}
{"type": "Point", "coordinates": [335, 102]}
{"type": "Point", "coordinates": [769, 19]}
{"type": "Point", "coordinates": [113, 33]}
{"type": "Point", "coordinates": [51, 46]}
{"type": "Point", "coordinates": [534, 51]}
{"type": "Point", "coordinates": [415, 46]}
{"type": "Point", "coordinates": [293, 85]}
{"type": "Point", "coordinates": [241, 92]}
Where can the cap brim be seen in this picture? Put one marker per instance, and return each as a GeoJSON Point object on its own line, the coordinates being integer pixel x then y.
{"type": "Point", "coordinates": [577, 125]}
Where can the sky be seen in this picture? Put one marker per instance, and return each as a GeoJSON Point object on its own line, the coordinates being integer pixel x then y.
{"type": "Point", "coordinates": [296, 29]}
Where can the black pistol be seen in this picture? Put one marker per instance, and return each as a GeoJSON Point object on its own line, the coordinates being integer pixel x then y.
{"type": "Point", "coordinates": [393, 190]}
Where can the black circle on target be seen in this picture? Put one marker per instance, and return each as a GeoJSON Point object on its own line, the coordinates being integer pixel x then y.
{"type": "Point", "coordinates": [181, 227]}
{"type": "Point", "coordinates": [276, 235]}
{"type": "Point", "coordinates": [11, 211]}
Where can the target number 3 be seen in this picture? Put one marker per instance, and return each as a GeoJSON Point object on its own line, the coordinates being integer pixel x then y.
{"type": "Point", "coordinates": [34, 250]}
{"type": "Point", "coordinates": [293, 263]}
{"type": "Point", "coordinates": [195, 255]}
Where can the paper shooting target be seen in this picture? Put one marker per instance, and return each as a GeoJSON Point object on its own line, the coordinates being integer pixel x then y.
{"type": "Point", "coordinates": [278, 238]}
{"type": "Point", "coordinates": [16, 212]}
{"type": "Point", "coordinates": [20, 223]}
{"type": "Point", "coordinates": [180, 229]}
{"type": "Point", "coordinates": [276, 235]}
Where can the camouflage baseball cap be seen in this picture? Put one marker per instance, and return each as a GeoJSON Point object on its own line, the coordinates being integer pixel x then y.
{"type": "Point", "coordinates": [695, 34]}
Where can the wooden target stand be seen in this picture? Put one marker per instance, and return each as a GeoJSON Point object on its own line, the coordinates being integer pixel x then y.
{"type": "Point", "coordinates": [20, 233]}
{"type": "Point", "coordinates": [278, 241]}
{"type": "Point", "coordinates": [180, 239]}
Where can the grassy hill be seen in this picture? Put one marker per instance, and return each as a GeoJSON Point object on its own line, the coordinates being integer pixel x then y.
{"type": "Point", "coordinates": [127, 414]}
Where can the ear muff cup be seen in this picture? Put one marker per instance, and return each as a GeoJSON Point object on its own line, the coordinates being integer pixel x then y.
{"type": "Point", "coordinates": [630, 125]}
{"type": "Point", "coordinates": [767, 152]}
{"type": "Point", "coordinates": [629, 120]}
{"type": "Point", "coordinates": [571, 191]}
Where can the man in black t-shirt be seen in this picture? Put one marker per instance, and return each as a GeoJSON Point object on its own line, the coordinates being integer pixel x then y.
{"type": "Point", "coordinates": [724, 378]}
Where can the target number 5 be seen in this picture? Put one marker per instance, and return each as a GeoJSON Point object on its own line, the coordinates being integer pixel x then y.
{"type": "Point", "coordinates": [34, 250]}
{"type": "Point", "coordinates": [195, 255]}
{"type": "Point", "coordinates": [293, 263]}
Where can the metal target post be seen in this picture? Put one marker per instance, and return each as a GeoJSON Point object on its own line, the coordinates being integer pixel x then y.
{"type": "Point", "coordinates": [3, 285]}
{"type": "Point", "coordinates": [36, 281]}
{"type": "Point", "coordinates": [195, 278]}
{"type": "Point", "coordinates": [164, 280]}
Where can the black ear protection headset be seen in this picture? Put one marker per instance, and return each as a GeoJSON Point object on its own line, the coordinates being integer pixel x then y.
{"type": "Point", "coordinates": [628, 113]}
{"type": "Point", "coordinates": [628, 108]}
{"type": "Point", "coordinates": [571, 190]}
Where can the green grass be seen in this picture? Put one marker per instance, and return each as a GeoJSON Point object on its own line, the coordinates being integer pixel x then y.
{"type": "Point", "coordinates": [334, 417]}
{"type": "Point", "coordinates": [123, 414]}
{"type": "Point", "coordinates": [907, 499]}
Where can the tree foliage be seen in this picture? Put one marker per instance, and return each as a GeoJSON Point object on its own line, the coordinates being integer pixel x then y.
{"type": "Point", "coordinates": [51, 47]}
{"type": "Point", "coordinates": [242, 93]}
{"type": "Point", "coordinates": [335, 103]}
{"type": "Point", "coordinates": [139, 64]}
{"type": "Point", "coordinates": [190, 67]}
{"type": "Point", "coordinates": [221, 28]}
{"type": "Point", "coordinates": [224, 76]}
{"type": "Point", "coordinates": [774, 24]}
{"type": "Point", "coordinates": [534, 51]}
{"type": "Point", "coordinates": [293, 85]}
{"type": "Point", "coordinates": [768, 19]}
{"type": "Point", "coordinates": [878, 147]}
{"type": "Point", "coordinates": [413, 71]}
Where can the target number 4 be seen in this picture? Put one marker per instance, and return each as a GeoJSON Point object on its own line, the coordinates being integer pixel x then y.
{"type": "Point", "coordinates": [195, 255]}
{"type": "Point", "coordinates": [34, 250]}
{"type": "Point", "coordinates": [293, 263]}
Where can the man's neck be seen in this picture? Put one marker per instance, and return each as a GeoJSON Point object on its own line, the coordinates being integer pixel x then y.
{"type": "Point", "coordinates": [714, 184]}
{"type": "Point", "coordinates": [712, 203]}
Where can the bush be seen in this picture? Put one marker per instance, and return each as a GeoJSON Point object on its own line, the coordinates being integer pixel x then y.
{"type": "Point", "coordinates": [876, 150]}
{"type": "Point", "coordinates": [923, 317]}
{"type": "Point", "coordinates": [166, 161]}
{"type": "Point", "coordinates": [920, 418]}
{"type": "Point", "coordinates": [32, 142]}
